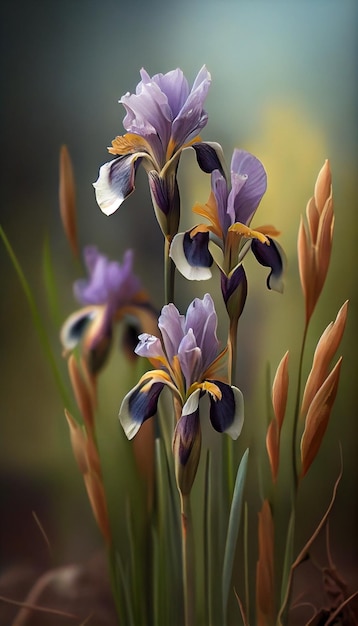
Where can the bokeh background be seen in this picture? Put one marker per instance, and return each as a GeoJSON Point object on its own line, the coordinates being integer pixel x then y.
{"type": "Point", "coordinates": [285, 87]}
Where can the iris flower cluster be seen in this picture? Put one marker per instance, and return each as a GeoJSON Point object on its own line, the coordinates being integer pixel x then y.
{"type": "Point", "coordinates": [163, 117]}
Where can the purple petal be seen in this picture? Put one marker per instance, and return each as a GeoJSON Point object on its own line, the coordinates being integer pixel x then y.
{"type": "Point", "coordinates": [138, 406]}
{"type": "Point", "coordinates": [249, 194]}
{"type": "Point", "coordinates": [148, 112]}
{"type": "Point", "coordinates": [271, 256]}
{"type": "Point", "coordinates": [220, 191]}
{"type": "Point", "coordinates": [116, 182]}
{"type": "Point", "coordinates": [149, 346]}
{"type": "Point", "coordinates": [201, 317]}
{"type": "Point", "coordinates": [171, 325]}
{"type": "Point", "coordinates": [227, 414]}
{"type": "Point", "coordinates": [175, 86]}
{"type": "Point", "coordinates": [110, 282]}
{"type": "Point", "coordinates": [191, 256]}
{"type": "Point", "coordinates": [190, 358]}
{"type": "Point", "coordinates": [192, 118]}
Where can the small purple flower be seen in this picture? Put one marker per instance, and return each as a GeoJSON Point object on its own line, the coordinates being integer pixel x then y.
{"type": "Point", "coordinates": [163, 117]}
{"type": "Point", "coordinates": [111, 292]}
{"type": "Point", "coordinates": [188, 360]}
{"type": "Point", "coordinates": [229, 211]}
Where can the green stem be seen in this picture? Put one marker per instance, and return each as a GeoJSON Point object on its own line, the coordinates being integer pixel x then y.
{"type": "Point", "coordinates": [289, 549]}
{"type": "Point", "coordinates": [169, 274]}
{"type": "Point", "coordinates": [188, 558]}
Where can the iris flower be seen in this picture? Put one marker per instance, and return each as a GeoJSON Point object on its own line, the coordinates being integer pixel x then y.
{"type": "Point", "coordinates": [163, 117]}
{"type": "Point", "coordinates": [112, 292]}
{"type": "Point", "coordinates": [229, 212]}
{"type": "Point", "coordinates": [187, 359]}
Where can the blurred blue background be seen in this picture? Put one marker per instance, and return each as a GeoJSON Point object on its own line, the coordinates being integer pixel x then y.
{"type": "Point", "coordinates": [285, 87]}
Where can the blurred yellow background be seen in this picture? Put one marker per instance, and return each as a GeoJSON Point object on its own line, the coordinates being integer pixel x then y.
{"type": "Point", "coordinates": [285, 87]}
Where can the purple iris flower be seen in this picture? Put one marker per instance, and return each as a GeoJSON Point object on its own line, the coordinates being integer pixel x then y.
{"type": "Point", "coordinates": [229, 211]}
{"type": "Point", "coordinates": [163, 117]}
{"type": "Point", "coordinates": [110, 293]}
{"type": "Point", "coordinates": [188, 360]}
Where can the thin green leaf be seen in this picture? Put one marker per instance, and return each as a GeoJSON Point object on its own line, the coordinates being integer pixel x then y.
{"type": "Point", "coordinates": [233, 530]}
{"type": "Point", "coordinates": [36, 318]}
{"type": "Point", "coordinates": [50, 283]}
{"type": "Point", "coordinates": [125, 580]}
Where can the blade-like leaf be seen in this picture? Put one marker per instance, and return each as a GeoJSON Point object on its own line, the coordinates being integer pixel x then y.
{"type": "Point", "coordinates": [233, 529]}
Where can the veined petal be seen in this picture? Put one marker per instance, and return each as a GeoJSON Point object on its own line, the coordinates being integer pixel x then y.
{"type": "Point", "coordinates": [138, 406]}
{"type": "Point", "coordinates": [227, 414]}
{"type": "Point", "coordinates": [171, 325]}
{"type": "Point", "coordinates": [116, 181]}
{"type": "Point", "coordinates": [192, 117]}
{"type": "Point", "coordinates": [249, 195]}
{"type": "Point", "coordinates": [202, 319]}
{"type": "Point", "coordinates": [271, 256]}
{"type": "Point", "coordinates": [191, 255]}
{"type": "Point", "coordinates": [149, 346]}
{"type": "Point", "coordinates": [190, 358]}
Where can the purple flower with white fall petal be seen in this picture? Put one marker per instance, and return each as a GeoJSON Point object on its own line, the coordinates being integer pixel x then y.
{"type": "Point", "coordinates": [163, 117]}
{"type": "Point", "coordinates": [229, 211]}
{"type": "Point", "coordinates": [110, 293]}
{"type": "Point", "coordinates": [188, 360]}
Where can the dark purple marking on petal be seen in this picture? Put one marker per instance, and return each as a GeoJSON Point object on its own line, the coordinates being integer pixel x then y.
{"type": "Point", "coordinates": [270, 256]}
{"type": "Point", "coordinates": [208, 158]}
{"type": "Point", "coordinates": [196, 249]}
{"type": "Point", "coordinates": [143, 404]}
{"type": "Point", "coordinates": [122, 173]}
{"type": "Point", "coordinates": [222, 412]}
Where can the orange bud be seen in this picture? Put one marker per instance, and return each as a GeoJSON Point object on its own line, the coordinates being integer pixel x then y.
{"type": "Point", "coordinates": [323, 186]}
{"type": "Point", "coordinates": [67, 200]}
{"type": "Point", "coordinates": [324, 353]}
{"type": "Point", "coordinates": [97, 498]}
{"type": "Point", "coordinates": [82, 393]}
{"type": "Point", "coordinates": [265, 588]}
{"type": "Point", "coordinates": [318, 417]}
{"type": "Point", "coordinates": [78, 442]}
{"type": "Point", "coordinates": [314, 243]}
{"type": "Point", "coordinates": [279, 401]}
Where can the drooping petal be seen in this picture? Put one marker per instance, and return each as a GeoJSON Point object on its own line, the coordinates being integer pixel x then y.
{"type": "Point", "coordinates": [227, 414]}
{"type": "Point", "coordinates": [209, 156]}
{"type": "Point", "coordinates": [74, 327]}
{"type": "Point", "coordinates": [138, 406]}
{"type": "Point", "coordinates": [191, 255]}
{"type": "Point", "coordinates": [116, 181]}
{"type": "Point", "coordinates": [271, 256]}
{"type": "Point", "coordinates": [249, 195]}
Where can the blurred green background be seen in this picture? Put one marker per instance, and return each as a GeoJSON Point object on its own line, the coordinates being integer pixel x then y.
{"type": "Point", "coordinates": [285, 87]}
